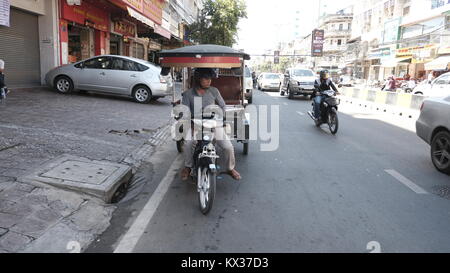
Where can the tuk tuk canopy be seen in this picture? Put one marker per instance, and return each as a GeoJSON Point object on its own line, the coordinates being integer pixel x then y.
{"type": "Point", "coordinates": [210, 56]}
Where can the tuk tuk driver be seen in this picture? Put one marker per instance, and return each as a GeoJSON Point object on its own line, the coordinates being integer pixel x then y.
{"type": "Point", "coordinates": [209, 96]}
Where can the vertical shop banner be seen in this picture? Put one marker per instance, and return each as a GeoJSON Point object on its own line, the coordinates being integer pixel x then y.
{"type": "Point", "coordinates": [5, 6]}
{"type": "Point", "coordinates": [318, 37]}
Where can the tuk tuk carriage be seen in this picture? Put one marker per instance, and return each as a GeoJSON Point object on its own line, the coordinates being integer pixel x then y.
{"type": "Point", "coordinates": [230, 65]}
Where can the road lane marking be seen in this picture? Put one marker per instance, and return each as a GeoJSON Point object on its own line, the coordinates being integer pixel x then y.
{"type": "Point", "coordinates": [405, 181]}
{"type": "Point", "coordinates": [137, 229]}
{"type": "Point", "coordinates": [300, 113]}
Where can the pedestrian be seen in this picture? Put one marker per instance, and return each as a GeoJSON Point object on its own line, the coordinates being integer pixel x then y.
{"type": "Point", "coordinates": [391, 85]}
{"type": "Point", "coordinates": [3, 90]}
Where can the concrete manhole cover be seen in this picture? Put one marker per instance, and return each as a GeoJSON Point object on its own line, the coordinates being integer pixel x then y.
{"type": "Point", "coordinates": [89, 173]}
{"type": "Point", "coordinates": [97, 178]}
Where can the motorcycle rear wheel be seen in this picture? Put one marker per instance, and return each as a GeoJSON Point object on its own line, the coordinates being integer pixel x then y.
{"type": "Point", "coordinates": [333, 121]}
{"type": "Point", "coordinates": [206, 180]}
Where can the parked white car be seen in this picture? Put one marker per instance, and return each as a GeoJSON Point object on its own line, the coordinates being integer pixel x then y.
{"type": "Point", "coordinates": [118, 75]}
{"type": "Point", "coordinates": [440, 87]}
{"type": "Point", "coordinates": [433, 126]}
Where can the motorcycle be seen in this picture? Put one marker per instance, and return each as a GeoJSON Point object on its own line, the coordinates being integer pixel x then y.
{"type": "Point", "coordinates": [328, 110]}
{"type": "Point", "coordinates": [206, 166]}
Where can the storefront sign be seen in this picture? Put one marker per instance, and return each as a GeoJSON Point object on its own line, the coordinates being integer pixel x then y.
{"type": "Point", "coordinates": [419, 51]}
{"type": "Point", "coordinates": [317, 42]}
{"type": "Point", "coordinates": [125, 28]}
{"type": "Point", "coordinates": [444, 50]}
{"type": "Point", "coordinates": [5, 6]}
{"type": "Point", "coordinates": [86, 14]}
{"type": "Point", "coordinates": [154, 46]}
{"type": "Point", "coordinates": [380, 53]}
{"type": "Point", "coordinates": [152, 9]}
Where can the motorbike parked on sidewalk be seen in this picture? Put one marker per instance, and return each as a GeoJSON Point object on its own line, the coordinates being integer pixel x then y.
{"type": "Point", "coordinates": [329, 111]}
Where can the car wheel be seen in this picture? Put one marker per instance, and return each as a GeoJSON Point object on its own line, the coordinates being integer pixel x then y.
{"type": "Point", "coordinates": [418, 93]}
{"type": "Point", "coordinates": [440, 151]}
{"type": "Point", "coordinates": [291, 95]}
{"type": "Point", "coordinates": [142, 94]}
{"type": "Point", "coordinates": [63, 84]}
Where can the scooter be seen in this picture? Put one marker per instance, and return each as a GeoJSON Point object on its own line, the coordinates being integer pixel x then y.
{"type": "Point", "coordinates": [328, 110]}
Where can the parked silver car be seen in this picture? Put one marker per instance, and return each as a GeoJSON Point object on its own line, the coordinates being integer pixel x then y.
{"type": "Point", "coordinates": [433, 126]}
{"type": "Point", "coordinates": [112, 74]}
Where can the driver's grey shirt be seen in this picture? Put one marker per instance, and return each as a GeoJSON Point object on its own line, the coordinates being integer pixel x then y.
{"type": "Point", "coordinates": [211, 97]}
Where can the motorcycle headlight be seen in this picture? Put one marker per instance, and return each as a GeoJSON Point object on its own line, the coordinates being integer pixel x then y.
{"type": "Point", "coordinates": [206, 138]}
{"type": "Point", "coordinates": [325, 104]}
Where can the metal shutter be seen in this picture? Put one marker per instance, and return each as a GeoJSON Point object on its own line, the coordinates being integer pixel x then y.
{"type": "Point", "coordinates": [19, 48]}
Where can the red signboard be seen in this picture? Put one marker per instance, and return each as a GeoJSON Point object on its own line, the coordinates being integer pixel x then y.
{"type": "Point", "coordinates": [204, 61]}
{"type": "Point", "coordinates": [152, 9]}
{"type": "Point", "coordinates": [125, 28]}
{"type": "Point", "coordinates": [86, 14]}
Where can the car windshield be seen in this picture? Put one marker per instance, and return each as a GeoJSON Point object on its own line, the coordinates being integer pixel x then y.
{"type": "Point", "coordinates": [271, 77]}
{"type": "Point", "coordinates": [303, 73]}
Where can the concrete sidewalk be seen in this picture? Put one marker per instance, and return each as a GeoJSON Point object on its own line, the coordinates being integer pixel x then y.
{"type": "Point", "coordinates": [39, 125]}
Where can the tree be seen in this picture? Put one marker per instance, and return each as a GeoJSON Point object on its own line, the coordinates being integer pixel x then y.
{"type": "Point", "coordinates": [218, 22]}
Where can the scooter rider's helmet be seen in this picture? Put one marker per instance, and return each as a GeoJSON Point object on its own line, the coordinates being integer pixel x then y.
{"type": "Point", "coordinates": [324, 75]}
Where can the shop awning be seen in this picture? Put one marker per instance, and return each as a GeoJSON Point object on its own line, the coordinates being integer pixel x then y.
{"type": "Point", "coordinates": [441, 63]}
{"type": "Point", "coordinates": [140, 17]}
{"type": "Point", "coordinates": [395, 62]}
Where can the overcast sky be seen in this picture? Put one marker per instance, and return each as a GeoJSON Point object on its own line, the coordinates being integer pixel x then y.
{"type": "Point", "coordinates": [270, 22]}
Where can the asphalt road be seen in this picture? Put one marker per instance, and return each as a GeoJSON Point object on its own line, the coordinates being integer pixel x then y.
{"type": "Point", "coordinates": [373, 182]}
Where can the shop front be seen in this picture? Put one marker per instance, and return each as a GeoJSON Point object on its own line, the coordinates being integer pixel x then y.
{"type": "Point", "coordinates": [84, 30]}
{"type": "Point", "coordinates": [420, 56]}
{"type": "Point", "coordinates": [122, 33]}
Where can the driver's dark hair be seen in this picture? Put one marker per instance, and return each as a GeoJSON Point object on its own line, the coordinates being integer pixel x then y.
{"type": "Point", "coordinates": [200, 73]}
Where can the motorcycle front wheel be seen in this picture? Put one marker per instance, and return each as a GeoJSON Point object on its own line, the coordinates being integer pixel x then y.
{"type": "Point", "coordinates": [333, 121]}
{"type": "Point", "coordinates": [206, 180]}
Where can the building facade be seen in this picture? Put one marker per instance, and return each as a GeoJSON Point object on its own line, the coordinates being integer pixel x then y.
{"type": "Point", "coordinates": [337, 31]}
{"type": "Point", "coordinates": [397, 37]}
{"type": "Point", "coordinates": [39, 35]}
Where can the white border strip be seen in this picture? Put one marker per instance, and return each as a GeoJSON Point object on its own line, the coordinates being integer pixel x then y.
{"type": "Point", "coordinates": [131, 238]}
{"type": "Point", "coordinates": [405, 181]}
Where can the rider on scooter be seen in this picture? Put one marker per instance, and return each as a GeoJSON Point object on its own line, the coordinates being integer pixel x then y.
{"type": "Point", "coordinates": [209, 96]}
{"type": "Point", "coordinates": [322, 84]}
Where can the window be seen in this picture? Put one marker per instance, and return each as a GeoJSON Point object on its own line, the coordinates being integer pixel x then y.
{"type": "Point", "coordinates": [127, 65]}
{"type": "Point", "coordinates": [339, 42]}
{"type": "Point", "coordinates": [303, 73]}
{"type": "Point", "coordinates": [341, 27]}
{"type": "Point", "coordinates": [98, 63]}
{"type": "Point", "coordinates": [443, 80]}
{"type": "Point", "coordinates": [271, 76]}
{"type": "Point", "coordinates": [406, 11]}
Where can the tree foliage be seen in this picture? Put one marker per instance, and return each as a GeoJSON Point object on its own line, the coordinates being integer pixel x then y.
{"type": "Point", "coordinates": [218, 22]}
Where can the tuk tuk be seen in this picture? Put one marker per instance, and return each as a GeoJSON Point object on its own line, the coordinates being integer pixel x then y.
{"type": "Point", "coordinates": [230, 81]}
{"type": "Point", "coordinates": [230, 72]}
